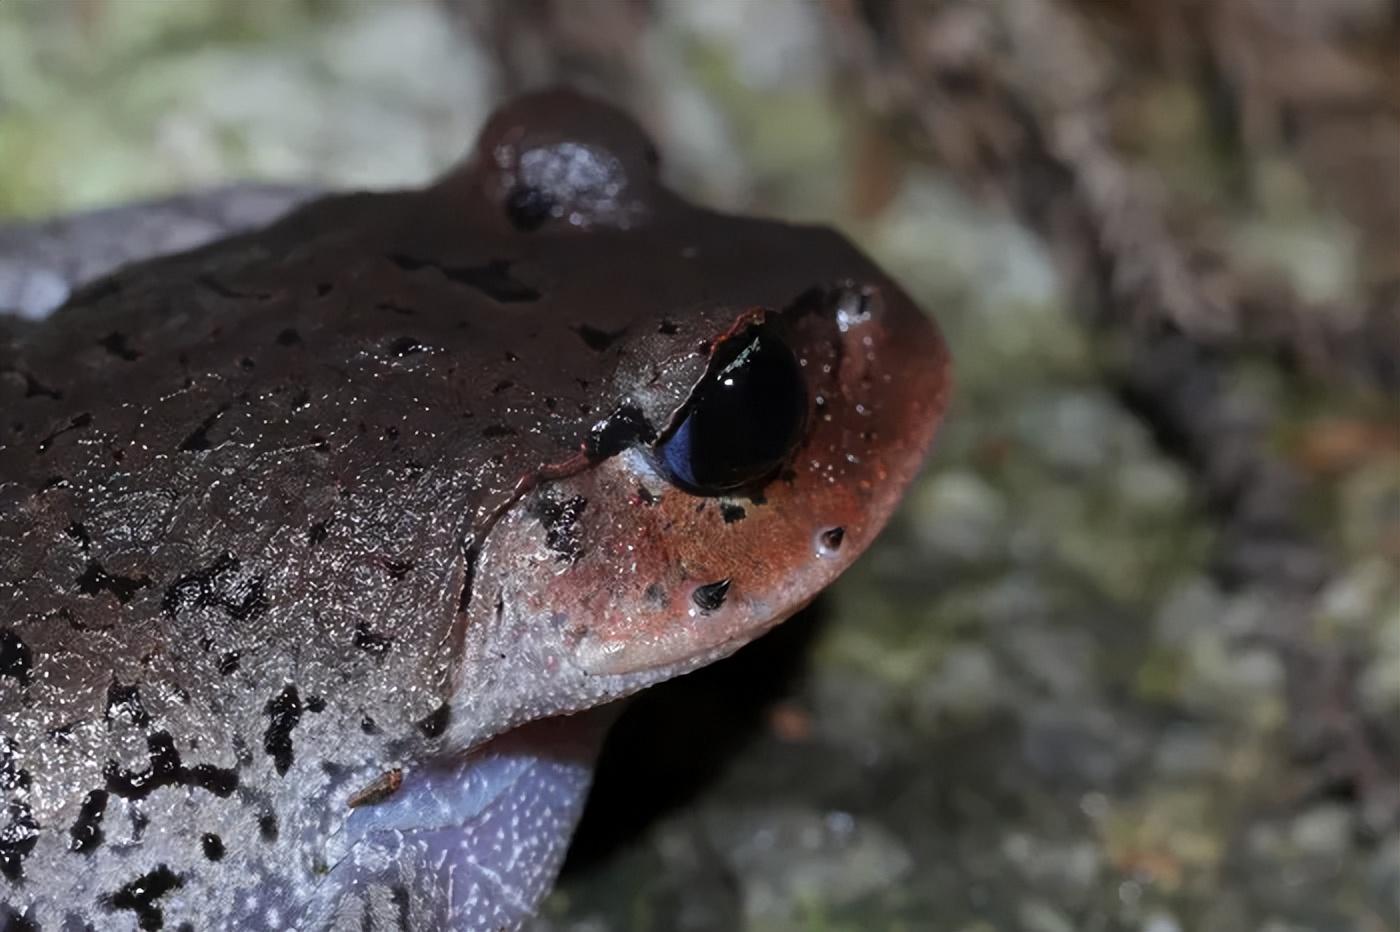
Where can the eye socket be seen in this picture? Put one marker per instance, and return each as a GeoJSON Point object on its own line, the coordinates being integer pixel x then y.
{"type": "Point", "coordinates": [743, 419]}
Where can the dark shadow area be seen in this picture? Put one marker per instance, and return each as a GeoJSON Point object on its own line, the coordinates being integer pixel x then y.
{"type": "Point", "coordinates": [676, 738]}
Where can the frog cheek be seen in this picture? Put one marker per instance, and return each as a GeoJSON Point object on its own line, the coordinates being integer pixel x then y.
{"type": "Point", "coordinates": [703, 575]}
{"type": "Point", "coordinates": [653, 580]}
{"type": "Point", "coordinates": [598, 584]}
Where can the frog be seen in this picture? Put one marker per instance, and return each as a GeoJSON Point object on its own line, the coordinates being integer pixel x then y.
{"type": "Point", "coordinates": [329, 548]}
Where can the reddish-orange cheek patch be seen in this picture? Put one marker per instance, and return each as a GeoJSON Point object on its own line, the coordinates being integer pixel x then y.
{"type": "Point", "coordinates": [661, 575]}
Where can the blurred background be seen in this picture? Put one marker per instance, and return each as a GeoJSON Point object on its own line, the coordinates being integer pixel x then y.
{"type": "Point", "coordinates": [1129, 659]}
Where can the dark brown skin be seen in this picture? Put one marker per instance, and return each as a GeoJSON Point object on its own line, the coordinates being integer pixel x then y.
{"type": "Point", "coordinates": [351, 495]}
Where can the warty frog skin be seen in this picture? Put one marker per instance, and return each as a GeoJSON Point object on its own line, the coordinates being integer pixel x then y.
{"type": "Point", "coordinates": [315, 539]}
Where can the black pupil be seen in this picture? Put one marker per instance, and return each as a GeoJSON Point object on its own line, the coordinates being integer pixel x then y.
{"type": "Point", "coordinates": [743, 420]}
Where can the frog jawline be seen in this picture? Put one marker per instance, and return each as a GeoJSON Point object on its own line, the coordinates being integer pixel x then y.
{"type": "Point", "coordinates": [473, 840]}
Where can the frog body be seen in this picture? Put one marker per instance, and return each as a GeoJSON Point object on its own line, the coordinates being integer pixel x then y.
{"type": "Point", "coordinates": [364, 505]}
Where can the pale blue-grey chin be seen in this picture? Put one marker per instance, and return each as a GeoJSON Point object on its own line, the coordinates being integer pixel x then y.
{"type": "Point", "coordinates": [472, 842]}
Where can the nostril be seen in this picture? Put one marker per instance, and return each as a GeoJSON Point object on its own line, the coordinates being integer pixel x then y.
{"type": "Point", "coordinates": [831, 539]}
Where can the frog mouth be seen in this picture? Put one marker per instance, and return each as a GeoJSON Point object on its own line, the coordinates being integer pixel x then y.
{"type": "Point", "coordinates": [471, 840]}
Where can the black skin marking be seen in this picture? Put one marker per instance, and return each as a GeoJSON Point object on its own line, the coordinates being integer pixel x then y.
{"type": "Point", "coordinates": [732, 513]}
{"type": "Point", "coordinates": [470, 554]}
{"type": "Point", "coordinates": [17, 838]}
{"type": "Point", "coordinates": [645, 497]}
{"type": "Point", "coordinates": [115, 343]}
{"type": "Point", "coordinates": [165, 769]}
{"type": "Point", "coordinates": [86, 833]}
{"type": "Point", "coordinates": [668, 329]}
{"type": "Point", "coordinates": [95, 579]}
{"type": "Point", "coordinates": [398, 569]}
{"type": "Point", "coordinates": [16, 659]}
{"type": "Point", "coordinates": [12, 921]}
{"type": "Point", "coordinates": [124, 706]}
{"type": "Point", "coordinates": [283, 712]}
{"type": "Point", "coordinates": [627, 425]}
{"type": "Point", "coordinates": [228, 662]}
{"type": "Point", "coordinates": [435, 723]}
{"type": "Point", "coordinates": [267, 827]}
{"type": "Point", "coordinates": [77, 423]}
{"type": "Point", "coordinates": [656, 594]}
{"type": "Point", "coordinates": [140, 896]}
{"type": "Point", "coordinates": [199, 437]}
{"type": "Point", "coordinates": [368, 726]}
{"type": "Point", "coordinates": [33, 388]}
{"type": "Point", "coordinates": [399, 897]}
{"type": "Point", "coordinates": [21, 831]}
{"type": "Point", "coordinates": [596, 339]}
{"type": "Point", "coordinates": [219, 585]}
{"type": "Point", "coordinates": [405, 346]}
{"type": "Point", "coordinates": [710, 596]}
{"type": "Point", "coordinates": [527, 207]}
{"type": "Point", "coordinates": [492, 279]}
{"type": "Point", "coordinates": [80, 534]}
{"type": "Point", "coordinates": [212, 845]}
{"type": "Point", "coordinates": [318, 532]}
{"type": "Point", "coordinates": [560, 520]}
{"type": "Point", "coordinates": [371, 643]}
{"type": "Point", "coordinates": [288, 337]}
{"type": "Point", "coordinates": [315, 704]}
{"type": "Point", "coordinates": [832, 538]}
{"type": "Point", "coordinates": [139, 821]}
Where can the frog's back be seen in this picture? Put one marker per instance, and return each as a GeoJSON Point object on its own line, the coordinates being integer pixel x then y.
{"type": "Point", "coordinates": [214, 513]}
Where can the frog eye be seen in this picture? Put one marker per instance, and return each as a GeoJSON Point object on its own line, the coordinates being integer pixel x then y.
{"type": "Point", "coordinates": [742, 421]}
